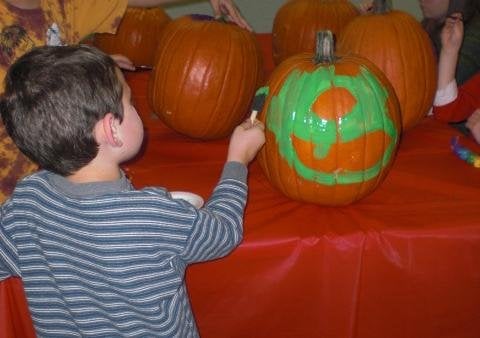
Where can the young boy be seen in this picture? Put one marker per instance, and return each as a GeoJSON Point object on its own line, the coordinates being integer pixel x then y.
{"type": "Point", "coordinates": [96, 256]}
{"type": "Point", "coordinates": [25, 24]}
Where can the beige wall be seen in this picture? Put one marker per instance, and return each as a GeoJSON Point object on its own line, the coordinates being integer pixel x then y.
{"type": "Point", "coordinates": [410, 6]}
{"type": "Point", "coordinates": [260, 13]}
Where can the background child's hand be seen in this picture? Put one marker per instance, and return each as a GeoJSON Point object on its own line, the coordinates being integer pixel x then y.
{"type": "Point", "coordinates": [230, 10]}
{"type": "Point", "coordinates": [366, 6]}
{"type": "Point", "coordinates": [246, 141]}
{"type": "Point", "coordinates": [473, 123]}
{"type": "Point", "coordinates": [452, 33]}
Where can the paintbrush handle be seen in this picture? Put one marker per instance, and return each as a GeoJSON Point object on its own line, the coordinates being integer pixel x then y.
{"type": "Point", "coordinates": [253, 116]}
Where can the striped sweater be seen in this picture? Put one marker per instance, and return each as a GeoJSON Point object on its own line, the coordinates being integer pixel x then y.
{"type": "Point", "coordinates": [106, 260]}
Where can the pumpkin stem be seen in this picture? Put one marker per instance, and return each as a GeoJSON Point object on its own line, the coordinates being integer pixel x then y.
{"type": "Point", "coordinates": [324, 50]}
{"type": "Point", "coordinates": [381, 6]}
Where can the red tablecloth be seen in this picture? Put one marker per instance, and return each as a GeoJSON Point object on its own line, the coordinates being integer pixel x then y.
{"type": "Point", "coordinates": [403, 262]}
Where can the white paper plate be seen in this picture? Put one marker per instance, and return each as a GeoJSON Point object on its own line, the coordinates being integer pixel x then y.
{"type": "Point", "coordinates": [190, 197]}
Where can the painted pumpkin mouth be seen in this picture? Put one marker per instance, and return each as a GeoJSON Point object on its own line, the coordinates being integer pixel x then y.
{"type": "Point", "coordinates": [353, 156]}
{"type": "Point", "coordinates": [337, 157]}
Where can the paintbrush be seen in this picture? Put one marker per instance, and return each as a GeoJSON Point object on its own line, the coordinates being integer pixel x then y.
{"type": "Point", "coordinates": [257, 105]}
{"type": "Point", "coordinates": [140, 68]}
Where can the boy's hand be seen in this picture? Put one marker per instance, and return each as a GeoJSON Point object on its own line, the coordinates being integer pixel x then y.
{"type": "Point", "coordinates": [246, 141]}
{"type": "Point", "coordinates": [473, 123]}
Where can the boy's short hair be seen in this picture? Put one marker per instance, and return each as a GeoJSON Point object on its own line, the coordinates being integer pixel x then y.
{"type": "Point", "coordinates": [54, 96]}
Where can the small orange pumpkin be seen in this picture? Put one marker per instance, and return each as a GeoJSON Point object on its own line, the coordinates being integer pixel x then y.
{"type": "Point", "coordinates": [332, 126]}
{"type": "Point", "coordinates": [297, 22]}
{"type": "Point", "coordinates": [206, 72]}
{"type": "Point", "coordinates": [137, 35]}
{"type": "Point", "coordinates": [397, 44]}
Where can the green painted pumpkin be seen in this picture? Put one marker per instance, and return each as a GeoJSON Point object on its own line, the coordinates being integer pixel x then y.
{"type": "Point", "coordinates": [332, 126]}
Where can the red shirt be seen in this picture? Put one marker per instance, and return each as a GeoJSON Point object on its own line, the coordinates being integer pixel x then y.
{"type": "Point", "coordinates": [463, 106]}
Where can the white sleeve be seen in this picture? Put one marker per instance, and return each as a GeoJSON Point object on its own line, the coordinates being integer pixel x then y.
{"type": "Point", "coordinates": [446, 95]}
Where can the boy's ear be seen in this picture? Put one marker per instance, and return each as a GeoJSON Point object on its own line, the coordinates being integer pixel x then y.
{"type": "Point", "coordinates": [107, 131]}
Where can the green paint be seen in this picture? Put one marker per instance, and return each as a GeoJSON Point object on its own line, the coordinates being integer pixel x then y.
{"type": "Point", "coordinates": [262, 90]}
{"type": "Point", "coordinates": [290, 113]}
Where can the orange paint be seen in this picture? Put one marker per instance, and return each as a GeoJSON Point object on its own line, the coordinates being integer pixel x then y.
{"type": "Point", "coordinates": [349, 156]}
{"type": "Point", "coordinates": [334, 103]}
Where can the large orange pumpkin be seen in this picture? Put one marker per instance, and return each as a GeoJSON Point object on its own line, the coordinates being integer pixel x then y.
{"type": "Point", "coordinates": [137, 35]}
{"type": "Point", "coordinates": [396, 42]}
{"type": "Point", "coordinates": [297, 22]}
{"type": "Point", "coordinates": [205, 74]}
{"type": "Point", "coordinates": [332, 127]}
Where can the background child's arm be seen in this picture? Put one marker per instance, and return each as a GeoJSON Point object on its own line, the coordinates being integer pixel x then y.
{"type": "Point", "coordinates": [451, 36]}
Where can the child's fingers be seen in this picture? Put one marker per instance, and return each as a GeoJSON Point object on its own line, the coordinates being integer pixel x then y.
{"type": "Point", "coordinates": [457, 16]}
{"type": "Point", "coordinates": [475, 115]}
{"type": "Point", "coordinates": [249, 123]}
{"type": "Point", "coordinates": [259, 124]}
{"type": "Point", "coordinates": [473, 120]}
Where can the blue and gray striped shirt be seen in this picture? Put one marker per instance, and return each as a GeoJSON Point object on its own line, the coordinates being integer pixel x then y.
{"type": "Point", "coordinates": [106, 260]}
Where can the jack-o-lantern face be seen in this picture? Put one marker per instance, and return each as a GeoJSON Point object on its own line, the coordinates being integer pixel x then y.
{"type": "Point", "coordinates": [329, 126]}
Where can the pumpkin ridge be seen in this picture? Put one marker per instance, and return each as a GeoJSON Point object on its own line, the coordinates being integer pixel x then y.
{"type": "Point", "coordinates": [245, 91]}
{"type": "Point", "coordinates": [388, 125]}
{"type": "Point", "coordinates": [414, 41]}
{"type": "Point", "coordinates": [215, 108]}
{"type": "Point", "coordinates": [166, 67]}
{"type": "Point", "coordinates": [299, 37]}
{"type": "Point", "coordinates": [178, 103]}
{"type": "Point", "coordinates": [402, 89]}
